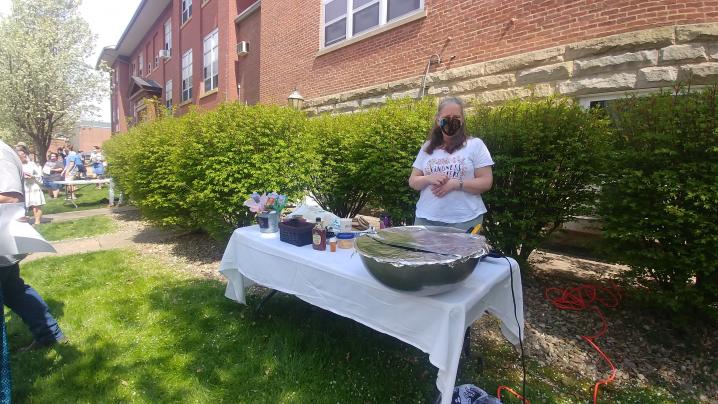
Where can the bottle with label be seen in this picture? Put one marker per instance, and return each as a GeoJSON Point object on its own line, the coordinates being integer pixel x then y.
{"type": "Point", "coordinates": [319, 236]}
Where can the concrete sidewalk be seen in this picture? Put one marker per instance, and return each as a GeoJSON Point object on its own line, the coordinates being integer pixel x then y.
{"type": "Point", "coordinates": [120, 239]}
{"type": "Point", "coordinates": [79, 214]}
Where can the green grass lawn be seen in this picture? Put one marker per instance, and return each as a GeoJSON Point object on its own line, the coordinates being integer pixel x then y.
{"type": "Point", "coordinates": [88, 197]}
{"type": "Point", "coordinates": [80, 228]}
{"type": "Point", "coordinates": [144, 333]}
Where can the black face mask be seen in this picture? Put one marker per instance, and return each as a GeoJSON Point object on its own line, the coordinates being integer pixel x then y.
{"type": "Point", "coordinates": [449, 126]}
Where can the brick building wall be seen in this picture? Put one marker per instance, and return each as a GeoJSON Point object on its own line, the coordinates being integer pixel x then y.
{"type": "Point", "coordinates": [489, 49]}
{"type": "Point", "coordinates": [89, 136]}
{"type": "Point", "coordinates": [470, 31]}
{"type": "Point", "coordinates": [207, 16]}
{"type": "Point", "coordinates": [247, 68]}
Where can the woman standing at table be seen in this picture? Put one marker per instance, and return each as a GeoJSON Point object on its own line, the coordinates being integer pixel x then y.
{"type": "Point", "coordinates": [451, 171]}
{"type": "Point", "coordinates": [32, 178]}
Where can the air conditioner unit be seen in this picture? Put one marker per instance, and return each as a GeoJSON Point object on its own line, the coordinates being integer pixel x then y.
{"type": "Point", "coordinates": [164, 54]}
{"type": "Point", "coordinates": [243, 48]}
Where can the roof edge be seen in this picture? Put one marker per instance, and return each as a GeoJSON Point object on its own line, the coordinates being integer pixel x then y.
{"type": "Point", "coordinates": [248, 11]}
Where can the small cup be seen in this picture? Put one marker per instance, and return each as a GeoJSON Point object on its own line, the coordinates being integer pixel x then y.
{"type": "Point", "coordinates": [345, 225]}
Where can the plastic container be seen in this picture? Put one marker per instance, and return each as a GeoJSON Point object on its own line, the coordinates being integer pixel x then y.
{"type": "Point", "coordinates": [345, 240]}
{"type": "Point", "coordinates": [346, 225]}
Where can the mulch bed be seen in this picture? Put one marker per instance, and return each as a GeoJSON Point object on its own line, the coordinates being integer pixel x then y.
{"type": "Point", "coordinates": [642, 344]}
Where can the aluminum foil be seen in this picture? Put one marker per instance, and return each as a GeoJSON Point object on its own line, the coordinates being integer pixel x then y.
{"type": "Point", "coordinates": [421, 245]}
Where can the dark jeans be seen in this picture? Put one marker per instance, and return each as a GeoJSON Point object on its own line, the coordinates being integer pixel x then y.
{"type": "Point", "coordinates": [27, 303]}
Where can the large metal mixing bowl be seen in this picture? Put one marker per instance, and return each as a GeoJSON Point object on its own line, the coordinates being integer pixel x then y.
{"type": "Point", "coordinates": [421, 260]}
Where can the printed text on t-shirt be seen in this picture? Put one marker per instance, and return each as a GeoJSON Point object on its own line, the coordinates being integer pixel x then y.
{"type": "Point", "coordinates": [452, 167]}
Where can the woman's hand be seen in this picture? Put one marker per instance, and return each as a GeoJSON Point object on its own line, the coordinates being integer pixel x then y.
{"type": "Point", "coordinates": [419, 181]}
{"type": "Point", "coordinates": [436, 180]}
{"type": "Point", "coordinates": [449, 185]}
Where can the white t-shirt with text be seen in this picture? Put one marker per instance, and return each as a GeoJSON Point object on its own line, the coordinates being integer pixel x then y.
{"type": "Point", "coordinates": [456, 206]}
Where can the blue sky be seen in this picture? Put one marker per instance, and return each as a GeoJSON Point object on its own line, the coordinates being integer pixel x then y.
{"type": "Point", "coordinates": [107, 19]}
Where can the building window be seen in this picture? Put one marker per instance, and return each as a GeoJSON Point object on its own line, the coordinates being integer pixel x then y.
{"type": "Point", "coordinates": [140, 63]}
{"type": "Point", "coordinates": [168, 94]}
{"type": "Point", "coordinates": [168, 36]}
{"type": "Point", "coordinates": [345, 19]}
{"type": "Point", "coordinates": [186, 10]}
{"type": "Point", "coordinates": [211, 61]}
{"type": "Point", "coordinates": [187, 76]}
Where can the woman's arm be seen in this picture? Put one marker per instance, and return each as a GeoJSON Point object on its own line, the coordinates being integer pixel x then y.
{"type": "Point", "coordinates": [11, 197]}
{"type": "Point", "coordinates": [419, 181]}
{"type": "Point", "coordinates": [482, 181]}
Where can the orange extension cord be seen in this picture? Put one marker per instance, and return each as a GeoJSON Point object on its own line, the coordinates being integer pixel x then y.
{"type": "Point", "coordinates": [585, 297]}
{"type": "Point", "coordinates": [512, 391]}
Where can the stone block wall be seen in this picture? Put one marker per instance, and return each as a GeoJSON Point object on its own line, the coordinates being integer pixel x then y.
{"type": "Point", "coordinates": [645, 59]}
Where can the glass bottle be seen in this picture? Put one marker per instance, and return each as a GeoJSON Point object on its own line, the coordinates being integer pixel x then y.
{"type": "Point", "coordinates": [319, 236]}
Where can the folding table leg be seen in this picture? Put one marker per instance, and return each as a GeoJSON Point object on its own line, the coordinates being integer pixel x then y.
{"type": "Point", "coordinates": [467, 343]}
{"type": "Point", "coordinates": [68, 196]}
{"type": "Point", "coordinates": [264, 300]}
{"type": "Point", "coordinates": [111, 193]}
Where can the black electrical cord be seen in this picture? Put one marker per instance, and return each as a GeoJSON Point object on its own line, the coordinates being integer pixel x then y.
{"type": "Point", "coordinates": [516, 316]}
{"type": "Point", "coordinates": [496, 254]}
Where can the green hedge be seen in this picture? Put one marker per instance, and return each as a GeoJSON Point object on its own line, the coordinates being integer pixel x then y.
{"type": "Point", "coordinates": [366, 157]}
{"type": "Point", "coordinates": [142, 162]}
{"type": "Point", "coordinates": [197, 170]}
{"type": "Point", "coordinates": [548, 156]}
{"type": "Point", "coordinates": [660, 199]}
{"type": "Point", "coordinates": [338, 182]}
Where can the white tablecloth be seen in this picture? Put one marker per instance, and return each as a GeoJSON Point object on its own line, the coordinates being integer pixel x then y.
{"type": "Point", "coordinates": [338, 282]}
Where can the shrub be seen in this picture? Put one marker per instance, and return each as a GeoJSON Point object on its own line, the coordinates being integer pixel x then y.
{"type": "Point", "coordinates": [339, 184]}
{"type": "Point", "coordinates": [142, 162]}
{"type": "Point", "coordinates": [547, 156]}
{"type": "Point", "coordinates": [660, 199]}
{"type": "Point", "coordinates": [197, 170]}
{"type": "Point", "coordinates": [396, 132]}
{"type": "Point", "coordinates": [366, 158]}
{"type": "Point", "coordinates": [235, 150]}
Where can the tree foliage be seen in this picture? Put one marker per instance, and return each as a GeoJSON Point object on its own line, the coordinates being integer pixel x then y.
{"type": "Point", "coordinates": [44, 80]}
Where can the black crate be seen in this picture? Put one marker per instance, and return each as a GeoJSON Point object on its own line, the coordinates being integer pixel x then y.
{"type": "Point", "coordinates": [296, 232]}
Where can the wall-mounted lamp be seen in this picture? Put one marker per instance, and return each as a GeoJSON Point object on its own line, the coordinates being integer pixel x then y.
{"type": "Point", "coordinates": [295, 100]}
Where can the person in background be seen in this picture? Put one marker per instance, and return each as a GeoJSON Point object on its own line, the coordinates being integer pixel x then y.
{"type": "Point", "coordinates": [451, 172]}
{"type": "Point", "coordinates": [23, 145]}
{"type": "Point", "coordinates": [32, 176]}
{"type": "Point", "coordinates": [70, 171]}
{"type": "Point", "coordinates": [61, 155]}
{"type": "Point", "coordinates": [98, 164]}
{"type": "Point", "coordinates": [19, 296]}
{"type": "Point", "coordinates": [52, 171]}
{"type": "Point", "coordinates": [81, 169]}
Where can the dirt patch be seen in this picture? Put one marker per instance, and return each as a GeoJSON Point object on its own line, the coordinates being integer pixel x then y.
{"type": "Point", "coordinates": [643, 345]}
